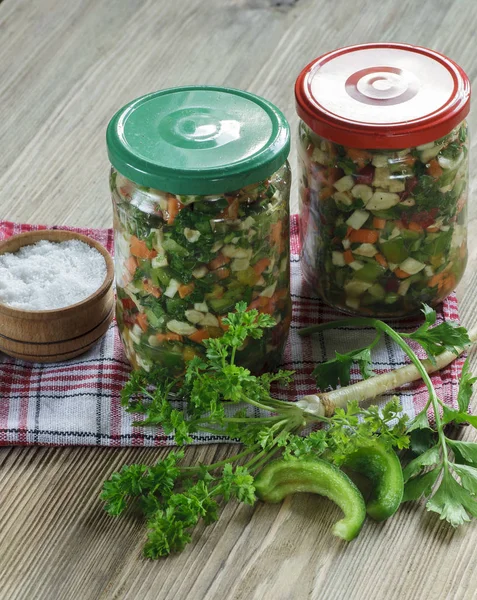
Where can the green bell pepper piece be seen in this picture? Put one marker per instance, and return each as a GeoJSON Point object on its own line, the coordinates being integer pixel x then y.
{"type": "Point", "coordinates": [394, 250]}
{"type": "Point", "coordinates": [281, 478]}
{"type": "Point", "coordinates": [370, 272]}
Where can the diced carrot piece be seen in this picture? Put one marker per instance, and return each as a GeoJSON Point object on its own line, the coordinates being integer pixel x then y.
{"type": "Point", "coordinates": [186, 289]}
{"type": "Point", "coordinates": [141, 320]}
{"type": "Point", "coordinates": [348, 257]}
{"type": "Point", "coordinates": [436, 279]}
{"type": "Point", "coordinates": [139, 248]}
{"type": "Point", "coordinates": [174, 206]}
{"type": "Point", "coordinates": [409, 160]}
{"type": "Point", "coordinates": [131, 264]}
{"type": "Point", "coordinates": [381, 260]}
{"type": "Point", "coordinates": [379, 223]}
{"type": "Point", "coordinates": [448, 284]}
{"type": "Point", "coordinates": [434, 169]}
{"type": "Point", "coordinates": [401, 274]}
{"type": "Point", "coordinates": [364, 236]}
{"type": "Point", "coordinates": [151, 289]}
{"type": "Point", "coordinates": [218, 261]}
{"type": "Point", "coordinates": [168, 337]}
{"type": "Point", "coordinates": [260, 266]}
{"type": "Point", "coordinates": [359, 156]}
{"type": "Point", "coordinates": [325, 193]}
{"type": "Point", "coordinates": [199, 336]}
{"type": "Point", "coordinates": [222, 273]}
{"type": "Point", "coordinates": [348, 231]}
{"type": "Point", "coordinates": [222, 325]}
{"type": "Point", "coordinates": [412, 226]}
{"type": "Point", "coordinates": [276, 233]}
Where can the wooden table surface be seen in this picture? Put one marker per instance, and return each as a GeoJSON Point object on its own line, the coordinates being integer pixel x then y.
{"type": "Point", "coordinates": [65, 67]}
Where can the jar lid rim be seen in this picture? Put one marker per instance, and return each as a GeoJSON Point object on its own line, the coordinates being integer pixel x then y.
{"type": "Point", "coordinates": [198, 139]}
{"type": "Point", "coordinates": [388, 90]}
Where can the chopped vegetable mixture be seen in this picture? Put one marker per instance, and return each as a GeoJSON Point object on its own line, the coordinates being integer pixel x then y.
{"type": "Point", "coordinates": [383, 231]}
{"type": "Point", "coordinates": [182, 262]}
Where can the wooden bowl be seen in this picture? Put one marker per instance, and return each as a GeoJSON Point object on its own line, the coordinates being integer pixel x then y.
{"type": "Point", "coordinates": [63, 333]}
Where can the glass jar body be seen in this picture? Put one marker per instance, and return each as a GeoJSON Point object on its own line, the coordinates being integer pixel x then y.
{"type": "Point", "coordinates": [383, 231]}
{"type": "Point", "coordinates": [183, 262]}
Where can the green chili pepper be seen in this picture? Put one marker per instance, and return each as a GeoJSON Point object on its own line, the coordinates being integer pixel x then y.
{"type": "Point", "coordinates": [283, 477]}
{"type": "Point", "coordinates": [382, 467]}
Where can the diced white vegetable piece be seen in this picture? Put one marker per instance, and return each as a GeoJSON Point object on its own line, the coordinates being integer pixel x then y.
{"type": "Point", "coordinates": [337, 258]}
{"type": "Point", "coordinates": [283, 265]}
{"type": "Point", "coordinates": [210, 320]}
{"type": "Point", "coordinates": [180, 327]}
{"type": "Point", "coordinates": [159, 261]}
{"type": "Point", "coordinates": [427, 155]}
{"type": "Point", "coordinates": [240, 264]}
{"type": "Point", "coordinates": [201, 306]}
{"type": "Point", "coordinates": [235, 240]}
{"type": "Point", "coordinates": [368, 250]}
{"type": "Point", "coordinates": [359, 217]}
{"type": "Point", "coordinates": [447, 163]}
{"type": "Point", "coordinates": [396, 184]}
{"type": "Point", "coordinates": [363, 192]}
{"type": "Point", "coordinates": [412, 266]}
{"type": "Point", "coordinates": [446, 188]}
{"type": "Point", "coordinates": [200, 272]}
{"type": "Point", "coordinates": [153, 341]}
{"type": "Point", "coordinates": [143, 363]}
{"type": "Point", "coordinates": [402, 153]}
{"type": "Point", "coordinates": [320, 157]}
{"type": "Point", "coordinates": [408, 202]}
{"type": "Point", "coordinates": [261, 282]}
{"type": "Point", "coordinates": [343, 197]}
{"type": "Point", "coordinates": [172, 288]}
{"type": "Point", "coordinates": [425, 146]}
{"type": "Point", "coordinates": [458, 236]}
{"type": "Point", "coordinates": [232, 251]}
{"type": "Point", "coordinates": [404, 287]}
{"type": "Point", "coordinates": [344, 184]}
{"type": "Point", "coordinates": [269, 291]}
{"type": "Point", "coordinates": [356, 265]}
{"type": "Point", "coordinates": [396, 232]}
{"type": "Point", "coordinates": [428, 271]}
{"type": "Point", "coordinates": [217, 246]}
{"type": "Point", "coordinates": [136, 330]}
{"type": "Point", "coordinates": [247, 223]}
{"type": "Point", "coordinates": [445, 227]}
{"type": "Point", "coordinates": [191, 235]}
{"type": "Point", "coordinates": [381, 177]}
{"type": "Point", "coordinates": [380, 160]}
{"type": "Point", "coordinates": [382, 200]}
{"type": "Point", "coordinates": [392, 266]}
{"type": "Point", "coordinates": [355, 287]}
{"type": "Point", "coordinates": [352, 303]}
{"type": "Point", "coordinates": [194, 316]}
{"type": "Point", "coordinates": [346, 243]}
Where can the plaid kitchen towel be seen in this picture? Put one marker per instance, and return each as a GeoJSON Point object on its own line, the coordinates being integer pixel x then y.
{"type": "Point", "coordinates": [77, 402]}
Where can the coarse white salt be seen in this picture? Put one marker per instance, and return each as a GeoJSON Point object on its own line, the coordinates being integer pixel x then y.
{"type": "Point", "coordinates": [49, 275]}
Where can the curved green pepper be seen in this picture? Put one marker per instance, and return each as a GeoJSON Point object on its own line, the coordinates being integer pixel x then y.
{"type": "Point", "coordinates": [382, 467]}
{"type": "Point", "coordinates": [281, 478]}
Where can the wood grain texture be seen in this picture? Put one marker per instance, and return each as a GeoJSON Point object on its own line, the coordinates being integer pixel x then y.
{"type": "Point", "coordinates": [65, 68]}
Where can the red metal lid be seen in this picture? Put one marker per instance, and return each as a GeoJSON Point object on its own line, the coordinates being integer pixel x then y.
{"type": "Point", "coordinates": [382, 95]}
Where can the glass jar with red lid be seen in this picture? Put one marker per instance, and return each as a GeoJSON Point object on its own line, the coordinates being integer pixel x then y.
{"type": "Point", "coordinates": [383, 177]}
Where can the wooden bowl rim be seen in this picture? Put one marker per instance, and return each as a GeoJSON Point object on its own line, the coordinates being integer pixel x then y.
{"type": "Point", "coordinates": [59, 235]}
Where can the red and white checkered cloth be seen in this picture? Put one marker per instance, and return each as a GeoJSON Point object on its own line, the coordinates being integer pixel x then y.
{"type": "Point", "coordinates": [77, 402]}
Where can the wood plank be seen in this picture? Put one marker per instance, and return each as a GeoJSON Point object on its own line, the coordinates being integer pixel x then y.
{"type": "Point", "coordinates": [65, 69]}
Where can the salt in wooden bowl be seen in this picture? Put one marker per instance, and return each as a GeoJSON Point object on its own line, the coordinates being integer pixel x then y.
{"type": "Point", "coordinates": [63, 333]}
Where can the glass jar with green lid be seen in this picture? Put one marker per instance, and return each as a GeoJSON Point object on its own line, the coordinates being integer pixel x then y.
{"type": "Point", "coordinates": [200, 185]}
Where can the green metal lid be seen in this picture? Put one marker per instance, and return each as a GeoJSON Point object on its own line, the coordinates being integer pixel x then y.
{"type": "Point", "coordinates": [198, 140]}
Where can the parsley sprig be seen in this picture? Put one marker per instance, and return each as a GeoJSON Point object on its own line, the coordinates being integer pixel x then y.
{"type": "Point", "coordinates": [220, 397]}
